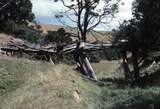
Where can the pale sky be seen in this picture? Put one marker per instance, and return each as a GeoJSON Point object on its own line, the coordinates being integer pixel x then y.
{"type": "Point", "coordinates": [44, 11]}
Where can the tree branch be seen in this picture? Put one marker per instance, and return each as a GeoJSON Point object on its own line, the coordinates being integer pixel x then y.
{"type": "Point", "coordinates": [5, 5]}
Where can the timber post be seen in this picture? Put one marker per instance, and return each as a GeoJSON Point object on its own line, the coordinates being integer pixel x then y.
{"type": "Point", "coordinates": [82, 59]}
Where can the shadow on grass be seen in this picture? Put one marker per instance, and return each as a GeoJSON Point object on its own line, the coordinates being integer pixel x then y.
{"type": "Point", "coordinates": [152, 79]}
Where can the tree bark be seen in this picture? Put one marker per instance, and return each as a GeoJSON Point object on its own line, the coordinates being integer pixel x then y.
{"type": "Point", "coordinates": [87, 68]}
{"type": "Point", "coordinates": [127, 71]}
{"type": "Point", "coordinates": [136, 73]}
{"type": "Point", "coordinates": [83, 67]}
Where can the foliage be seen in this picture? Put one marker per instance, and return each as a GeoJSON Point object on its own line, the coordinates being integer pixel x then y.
{"type": "Point", "coordinates": [14, 18]}
{"type": "Point", "coordinates": [8, 26]}
{"type": "Point", "coordinates": [19, 11]}
{"type": "Point", "coordinates": [127, 98]}
{"type": "Point", "coordinates": [28, 33]}
{"type": "Point", "coordinates": [148, 15]}
{"type": "Point", "coordinates": [87, 14]}
{"type": "Point", "coordinates": [58, 37]}
{"type": "Point", "coordinates": [109, 54]}
{"type": "Point", "coordinates": [142, 32]}
{"type": "Point", "coordinates": [68, 59]}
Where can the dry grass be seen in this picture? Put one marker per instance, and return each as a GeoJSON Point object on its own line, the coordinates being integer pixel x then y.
{"type": "Point", "coordinates": [91, 37]}
{"type": "Point", "coordinates": [41, 85]}
{"type": "Point", "coordinates": [4, 39]}
{"type": "Point", "coordinates": [108, 69]}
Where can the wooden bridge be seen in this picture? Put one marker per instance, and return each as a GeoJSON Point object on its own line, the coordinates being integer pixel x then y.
{"type": "Point", "coordinates": [77, 49]}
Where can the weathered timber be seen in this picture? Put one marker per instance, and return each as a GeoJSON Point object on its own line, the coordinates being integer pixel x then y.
{"type": "Point", "coordinates": [76, 48]}
{"type": "Point", "coordinates": [89, 68]}
{"type": "Point", "coordinates": [84, 62]}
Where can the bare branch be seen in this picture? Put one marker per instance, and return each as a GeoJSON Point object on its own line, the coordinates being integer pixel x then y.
{"type": "Point", "coordinates": [89, 14]}
{"type": "Point", "coordinates": [5, 5]}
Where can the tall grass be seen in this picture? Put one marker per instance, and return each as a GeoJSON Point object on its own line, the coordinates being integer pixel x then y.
{"type": "Point", "coordinates": [29, 84]}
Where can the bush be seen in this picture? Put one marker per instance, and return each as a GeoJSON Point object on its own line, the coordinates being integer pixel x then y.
{"type": "Point", "coordinates": [131, 98]}
{"type": "Point", "coordinates": [8, 26]}
{"type": "Point", "coordinates": [28, 33]}
{"type": "Point", "coordinates": [94, 56]}
{"type": "Point", "coordinates": [21, 31]}
{"type": "Point", "coordinates": [58, 37]}
{"type": "Point", "coordinates": [109, 54]}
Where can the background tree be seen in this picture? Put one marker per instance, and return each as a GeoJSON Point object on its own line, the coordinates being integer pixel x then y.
{"type": "Point", "coordinates": [148, 15]}
{"type": "Point", "coordinates": [14, 13]}
{"type": "Point", "coordinates": [142, 32]}
{"type": "Point", "coordinates": [19, 11]}
{"type": "Point", "coordinates": [14, 18]}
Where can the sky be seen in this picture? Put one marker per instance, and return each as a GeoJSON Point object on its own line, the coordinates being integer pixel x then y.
{"type": "Point", "coordinates": [44, 11]}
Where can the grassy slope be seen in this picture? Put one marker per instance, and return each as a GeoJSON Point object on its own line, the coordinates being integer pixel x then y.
{"type": "Point", "coordinates": [107, 69]}
{"type": "Point", "coordinates": [27, 84]}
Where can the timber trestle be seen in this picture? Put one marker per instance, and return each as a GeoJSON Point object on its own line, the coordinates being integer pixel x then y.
{"type": "Point", "coordinates": [79, 51]}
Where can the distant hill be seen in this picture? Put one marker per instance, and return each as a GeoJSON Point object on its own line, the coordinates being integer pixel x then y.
{"type": "Point", "coordinates": [93, 37]}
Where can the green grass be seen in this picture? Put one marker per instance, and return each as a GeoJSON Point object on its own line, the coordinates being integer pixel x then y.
{"type": "Point", "coordinates": [107, 69]}
{"type": "Point", "coordinates": [26, 84]}
{"type": "Point", "coordinates": [14, 72]}
{"type": "Point", "coordinates": [131, 98]}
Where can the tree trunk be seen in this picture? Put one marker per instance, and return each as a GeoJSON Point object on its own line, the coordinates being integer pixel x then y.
{"type": "Point", "coordinates": [82, 66]}
{"type": "Point", "coordinates": [84, 37]}
{"type": "Point", "coordinates": [127, 71]}
{"type": "Point", "coordinates": [87, 68]}
{"type": "Point", "coordinates": [136, 73]}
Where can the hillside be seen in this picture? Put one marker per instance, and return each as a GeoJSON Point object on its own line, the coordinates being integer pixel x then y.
{"type": "Point", "coordinates": [26, 84]}
{"type": "Point", "coordinates": [91, 37]}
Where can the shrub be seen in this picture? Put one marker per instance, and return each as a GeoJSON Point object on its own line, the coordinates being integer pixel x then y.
{"type": "Point", "coordinates": [131, 98]}
{"type": "Point", "coordinates": [109, 54]}
{"type": "Point", "coordinates": [8, 26]}
{"type": "Point", "coordinates": [28, 33]}
{"type": "Point", "coordinates": [58, 37]}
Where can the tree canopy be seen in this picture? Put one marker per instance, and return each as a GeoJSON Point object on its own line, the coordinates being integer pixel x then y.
{"type": "Point", "coordinates": [142, 32]}
{"type": "Point", "coordinates": [87, 14]}
{"type": "Point", "coordinates": [148, 15]}
{"type": "Point", "coordinates": [19, 11]}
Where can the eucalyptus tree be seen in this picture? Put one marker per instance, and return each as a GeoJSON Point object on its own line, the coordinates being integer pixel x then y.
{"type": "Point", "coordinates": [87, 14]}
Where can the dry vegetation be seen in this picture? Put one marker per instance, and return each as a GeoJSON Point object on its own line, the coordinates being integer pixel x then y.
{"type": "Point", "coordinates": [91, 37]}
{"type": "Point", "coordinates": [28, 84]}
{"type": "Point", "coordinates": [108, 69]}
{"type": "Point", "coordinates": [4, 39]}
